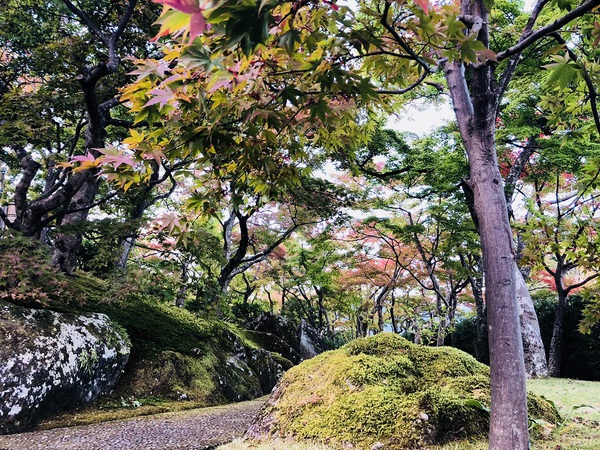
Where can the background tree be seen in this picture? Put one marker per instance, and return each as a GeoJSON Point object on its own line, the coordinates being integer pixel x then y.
{"type": "Point", "coordinates": [63, 68]}
{"type": "Point", "coordinates": [561, 237]}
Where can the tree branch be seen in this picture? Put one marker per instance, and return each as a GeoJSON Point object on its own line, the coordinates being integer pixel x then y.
{"type": "Point", "coordinates": [545, 31]}
{"type": "Point", "coordinates": [86, 20]}
{"type": "Point", "coordinates": [586, 77]}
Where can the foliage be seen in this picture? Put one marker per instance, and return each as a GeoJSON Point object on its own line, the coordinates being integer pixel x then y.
{"type": "Point", "coordinates": [580, 352]}
{"type": "Point", "coordinates": [59, 75]}
{"type": "Point", "coordinates": [27, 277]}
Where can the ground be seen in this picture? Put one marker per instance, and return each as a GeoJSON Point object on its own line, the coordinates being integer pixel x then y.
{"type": "Point", "coordinates": [185, 430]}
{"type": "Point", "coordinates": [205, 428]}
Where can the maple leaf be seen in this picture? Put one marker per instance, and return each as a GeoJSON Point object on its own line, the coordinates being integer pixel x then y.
{"type": "Point", "coordinates": [155, 154]}
{"type": "Point", "coordinates": [160, 96]}
{"type": "Point", "coordinates": [186, 6]}
{"type": "Point", "coordinates": [116, 160]}
{"type": "Point", "coordinates": [169, 221]}
{"type": "Point", "coordinates": [84, 158]}
{"type": "Point", "coordinates": [87, 161]}
{"type": "Point", "coordinates": [424, 4]}
{"type": "Point", "coordinates": [197, 21]}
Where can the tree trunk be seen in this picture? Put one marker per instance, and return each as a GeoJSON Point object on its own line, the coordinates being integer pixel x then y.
{"type": "Point", "coordinates": [555, 359]}
{"type": "Point", "coordinates": [481, 339]}
{"type": "Point", "coordinates": [65, 248]}
{"type": "Point", "coordinates": [441, 334]}
{"type": "Point", "coordinates": [533, 347]}
{"type": "Point", "coordinates": [393, 314]}
{"type": "Point", "coordinates": [476, 120]}
{"type": "Point", "coordinates": [125, 249]}
{"type": "Point", "coordinates": [507, 379]}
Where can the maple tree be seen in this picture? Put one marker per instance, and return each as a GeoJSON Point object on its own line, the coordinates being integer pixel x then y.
{"type": "Point", "coordinates": [561, 236]}
{"type": "Point", "coordinates": [61, 65]}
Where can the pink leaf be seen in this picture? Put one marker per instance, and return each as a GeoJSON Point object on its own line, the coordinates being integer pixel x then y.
{"type": "Point", "coordinates": [197, 25]}
{"type": "Point", "coordinates": [424, 4]}
{"type": "Point", "coordinates": [160, 96]}
{"type": "Point", "coordinates": [186, 6]}
{"type": "Point", "coordinates": [84, 158]}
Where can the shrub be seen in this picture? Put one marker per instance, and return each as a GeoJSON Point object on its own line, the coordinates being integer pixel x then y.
{"type": "Point", "coordinates": [26, 275]}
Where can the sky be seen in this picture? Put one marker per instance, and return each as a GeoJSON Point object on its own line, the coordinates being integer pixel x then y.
{"type": "Point", "coordinates": [421, 119]}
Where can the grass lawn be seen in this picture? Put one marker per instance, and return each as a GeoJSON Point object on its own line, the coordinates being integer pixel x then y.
{"type": "Point", "coordinates": [579, 429]}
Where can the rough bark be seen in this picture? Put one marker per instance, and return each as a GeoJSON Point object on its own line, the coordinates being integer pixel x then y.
{"type": "Point", "coordinates": [66, 245]}
{"type": "Point", "coordinates": [555, 357]}
{"type": "Point", "coordinates": [533, 347]}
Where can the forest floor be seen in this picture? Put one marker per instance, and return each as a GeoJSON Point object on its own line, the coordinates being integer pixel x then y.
{"type": "Point", "coordinates": [194, 429]}
{"type": "Point", "coordinates": [207, 428]}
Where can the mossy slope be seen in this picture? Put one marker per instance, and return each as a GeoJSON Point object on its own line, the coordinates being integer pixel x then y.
{"type": "Point", "coordinates": [382, 389]}
{"type": "Point", "coordinates": [176, 355]}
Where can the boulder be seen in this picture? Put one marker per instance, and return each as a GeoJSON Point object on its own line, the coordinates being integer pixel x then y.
{"type": "Point", "coordinates": [231, 369]}
{"type": "Point", "coordinates": [383, 392]}
{"type": "Point", "coordinates": [52, 361]}
{"type": "Point", "coordinates": [295, 343]}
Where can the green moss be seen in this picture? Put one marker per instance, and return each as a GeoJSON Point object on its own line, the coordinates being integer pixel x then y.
{"type": "Point", "coordinates": [172, 375]}
{"type": "Point", "coordinates": [384, 389]}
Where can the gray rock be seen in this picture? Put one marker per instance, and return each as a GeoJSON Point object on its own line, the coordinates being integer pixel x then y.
{"type": "Point", "coordinates": [52, 361]}
{"type": "Point", "coordinates": [276, 334]}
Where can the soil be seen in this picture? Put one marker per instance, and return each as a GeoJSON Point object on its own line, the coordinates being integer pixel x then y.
{"type": "Point", "coordinates": [196, 429]}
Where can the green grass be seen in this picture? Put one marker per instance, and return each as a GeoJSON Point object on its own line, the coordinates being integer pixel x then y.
{"type": "Point", "coordinates": [579, 430]}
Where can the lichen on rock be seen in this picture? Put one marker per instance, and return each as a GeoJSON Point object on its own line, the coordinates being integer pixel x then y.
{"type": "Point", "coordinates": [53, 361]}
{"type": "Point", "coordinates": [382, 389]}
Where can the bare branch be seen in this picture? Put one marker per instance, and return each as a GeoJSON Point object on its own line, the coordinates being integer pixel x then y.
{"type": "Point", "coordinates": [86, 20]}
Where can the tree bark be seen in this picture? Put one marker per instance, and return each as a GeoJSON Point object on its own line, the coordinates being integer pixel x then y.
{"type": "Point", "coordinates": [66, 245]}
{"type": "Point", "coordinates": [555, 358]}
{"type": "Point", "coordinates": [533, 347]}
{"type": "Point", "coordinates": [441, 334]}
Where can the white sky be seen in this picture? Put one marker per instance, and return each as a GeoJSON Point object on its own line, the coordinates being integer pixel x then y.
{"type": "Point", "coordinates": [421, 119]}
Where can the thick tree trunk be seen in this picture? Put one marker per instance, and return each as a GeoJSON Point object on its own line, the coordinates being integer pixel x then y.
{"type": "Point", "coordinates": [555, 358]}
{"type": "Point", "coordinates": [65, 248]}
{"type": "Point", "coordinates": [509, 398]}
{"type": "Point", "coordinates": [533, 347]}
{"type": "Point", "coordinates": [476, 120]}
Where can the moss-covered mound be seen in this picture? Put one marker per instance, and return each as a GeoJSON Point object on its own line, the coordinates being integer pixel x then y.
{"type": "Point", "coordinates": [177, 355]}
{"type": "Point", "coordinates": [383, 389]}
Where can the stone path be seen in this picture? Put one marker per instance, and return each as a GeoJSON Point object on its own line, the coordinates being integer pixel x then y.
{"type": "Point", "coordinates": [196, 429]}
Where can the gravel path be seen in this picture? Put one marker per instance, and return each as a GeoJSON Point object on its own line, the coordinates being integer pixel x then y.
{"type": "Point", "coordinates": [194, 429]}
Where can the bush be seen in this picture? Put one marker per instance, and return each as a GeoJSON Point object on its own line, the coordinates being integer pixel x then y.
{"type": "Point", "coordinates": [27, 277]}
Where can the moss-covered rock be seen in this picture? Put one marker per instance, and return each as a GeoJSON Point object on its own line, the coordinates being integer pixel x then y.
{"type": "Point", "coordinates": [382, 389]}
{"type": "Point", "coordinates": [177, 355]}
